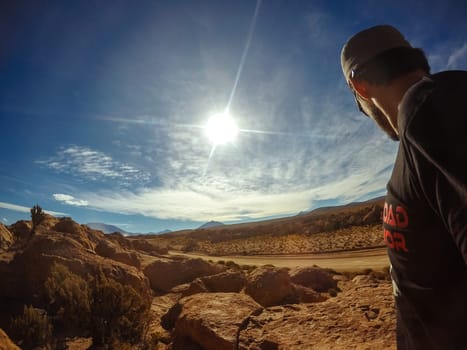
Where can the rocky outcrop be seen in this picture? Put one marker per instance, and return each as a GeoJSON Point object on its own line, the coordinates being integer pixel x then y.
{"type": "Point", "coordinates": [360, 318]}
{"type": "Point", "coordinates": [6, 343]}
{"type": "Point", "coordinates": [21, 229]}
{"type": "Point", "coordinates": [6, 238]}
{"type": "Point", "coordinates": [314, 278]}
{"type": "Point", "coordinates": [112, 250]}
{"type": "Point", "coordinates": [145, 246]}
{"type": "Point", "coordinates": [82, 234]}
{"type": "Point", "coordinates": [211, 321]}
{"type": "Point", "coordinates": [23, 278]}
{"type": "Point", "coordinates": [166, 274]}
{"type": "Point", "coordinates": [269, 286]}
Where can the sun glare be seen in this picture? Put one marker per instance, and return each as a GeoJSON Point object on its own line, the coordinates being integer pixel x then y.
{"type": "Point", "coordinates": [221, 129]}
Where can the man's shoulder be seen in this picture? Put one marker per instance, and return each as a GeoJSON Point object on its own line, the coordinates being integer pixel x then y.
{"type": "Point", "coordinates": [438, 102]}
{"type": "Point", "coordinates": [450, 76]}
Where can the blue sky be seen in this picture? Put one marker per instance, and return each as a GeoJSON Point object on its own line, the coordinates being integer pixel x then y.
{"type": "Point", "coordinates": [103, 106]}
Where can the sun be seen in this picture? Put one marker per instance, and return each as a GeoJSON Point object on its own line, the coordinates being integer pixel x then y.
{"type": "Point", "coordinates": [221, 129]}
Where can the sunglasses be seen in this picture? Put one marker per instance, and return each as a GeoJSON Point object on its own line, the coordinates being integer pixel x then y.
{"type": "Point", "coordinates": [354, 74]}
{"type": "Point", "coordinates": [359, 106]}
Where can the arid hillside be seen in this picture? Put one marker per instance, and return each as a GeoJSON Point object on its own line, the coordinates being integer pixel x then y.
{"type": "Point", "coordinates": [354, 226]}
{"type": "Point", "coordinates": [66, 286]}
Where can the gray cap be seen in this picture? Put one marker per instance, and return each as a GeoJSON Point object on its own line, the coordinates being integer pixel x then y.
{"type": "Point", "coordinates": [369, 43]}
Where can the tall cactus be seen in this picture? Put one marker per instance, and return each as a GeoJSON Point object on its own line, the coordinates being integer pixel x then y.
{"type": "Point", "coordinates": [37, 215]}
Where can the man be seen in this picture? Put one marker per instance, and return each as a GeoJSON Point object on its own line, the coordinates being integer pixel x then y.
{"type": "Point", "coordinates": [425, 214]}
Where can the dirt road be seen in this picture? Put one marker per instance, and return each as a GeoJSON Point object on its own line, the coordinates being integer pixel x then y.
{"type": "Point", "coordinates": [375, 259]}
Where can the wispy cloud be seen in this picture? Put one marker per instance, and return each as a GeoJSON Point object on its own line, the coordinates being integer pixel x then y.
{"type": "Point", "coordinates": [23, 209]}
{"type": "Point", "coordinates": [458, 59]}
{"type": "Point", "coordinates": [5, 220]}
{"type": "Point", "coordinates": [70, 200]}
{"type": "Point", "coordinates": [203, 203]}
{"type": "Point", "coordinates": [93, 165]}
{"type": "Point", "coordinates": [295, 164]}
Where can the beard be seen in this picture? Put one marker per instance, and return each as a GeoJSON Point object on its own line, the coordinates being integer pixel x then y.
{"type": "Point", "coordinates": [380, 119]}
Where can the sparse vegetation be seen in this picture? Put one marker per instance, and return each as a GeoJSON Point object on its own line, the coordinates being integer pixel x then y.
{"type": "Point", "coordinates": [37, 216]}
{"type": "Point", "coordinates": [99, 306]}
{"type": "Point", "coordinates": [190, 246]}
{"type": "Point", "coordinates": [118, 312]}
{"type": "Point", "coordinates": [32, 329]}
{"type": "Point", "coordinates": [68, 296]}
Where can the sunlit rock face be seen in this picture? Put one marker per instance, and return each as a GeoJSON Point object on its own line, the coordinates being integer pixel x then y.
{"type": "Point", "coordinates": [6, 238]}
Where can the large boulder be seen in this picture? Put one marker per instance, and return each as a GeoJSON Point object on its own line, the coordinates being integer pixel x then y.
{"type": "Point", "coordinates": [6, 343]}
{"type": "Point", "coordinates": [6, 238]}
{"type": "Point", "coordinates": [211, 320]}
{"type": "Point", "coordinates": [166, 274]}
{"type": "Point", "coordinates": [228, 281]}
{"type": "Point", "coordinates": [269, 286]}
{"type": "Point", "coordinates": [114, 251]}
{"type": "Point", "coordinates": [224, 282]}
{"type": "Point", "coordinates": [314, 278]}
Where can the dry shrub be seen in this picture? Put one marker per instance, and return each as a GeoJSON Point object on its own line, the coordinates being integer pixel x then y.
{"type": "Point", "coordinates": [98, 306]}
{"type": "Point", "coordinates": [68, 296]}
{"type": "Point", "coordinates": [118, 312]}
{"type": "Point", "coordinates": [32, 329]}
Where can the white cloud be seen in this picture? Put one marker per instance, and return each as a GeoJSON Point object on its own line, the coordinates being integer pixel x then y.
{"type": "Point", "coordinates": [284, 171]}
{"type": "Point", "coordinates": [5, 220]}
{"type": "Point", "coordinates": [67, 199]}
{"type": "Point", "coordinates": [93, 165]}
{"type": "Point", "coordinates": [23, 209]}
{"type": "Point", "coordinates": [458, 59]}
{"type": "Point", "coordinates": [203, 203]}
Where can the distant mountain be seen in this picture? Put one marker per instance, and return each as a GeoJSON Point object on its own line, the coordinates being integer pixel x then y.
{"type": "Point", "coordinates": [211, 224]}
{"type": "Point", "coordinates": [106, 228]}
{"type": "Point", "coordinates": [164, 231]}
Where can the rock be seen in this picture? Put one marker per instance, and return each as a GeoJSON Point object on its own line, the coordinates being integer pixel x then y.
{"type": "Point", "coordinates": [48, 222]}
{"type": "Point", "coordinates": [166, 274]}
{"type": "Point", "coordinates": [361, 280]}
{"type": "Point", "coordinates": [6, 238]}
{"type": "Point", "coordinates": [337, 323]}
{"type": "Point", "coordinates": [228, 281]}
{"type": "Point", "coordinates": [120, 239]}
{"type": "Point", "coordinates": [307, 295]}
{"type": "Point", "coordinates": [84, 235]}
{"type": "Point", "coordinates": [159, 316]}
{"type": "Point", "coordinates": [269, 286]}
{"type": "Point", "coordinates": [314, 278]}
{"type": "Point", "coordinates": [34, 263]}
{"type": "Point", "coordinates": [6, 343]}
{"type": "Point", "coordinates": [197, 286]}
{"type": "Point", "coordinates": [145, 246]}
{"type": "Point", "coordinates": [112, 250]}
{"type": "Point", "coordinates": [21, 229]}
{"type": "Point", "coordinates": [67, 225]}
{"type": "Point", "coordinates": [213, 320]}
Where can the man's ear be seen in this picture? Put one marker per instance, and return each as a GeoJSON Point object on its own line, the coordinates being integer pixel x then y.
{"type": "Point", "coordinates": [361, 87]}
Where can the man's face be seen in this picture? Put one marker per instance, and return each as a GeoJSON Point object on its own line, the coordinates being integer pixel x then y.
{"type": "Point", "coordinates": [380, 119]}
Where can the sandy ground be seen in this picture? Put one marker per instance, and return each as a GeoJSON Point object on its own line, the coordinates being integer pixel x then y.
{"type": "Point", "coordinates": [375, 259]}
